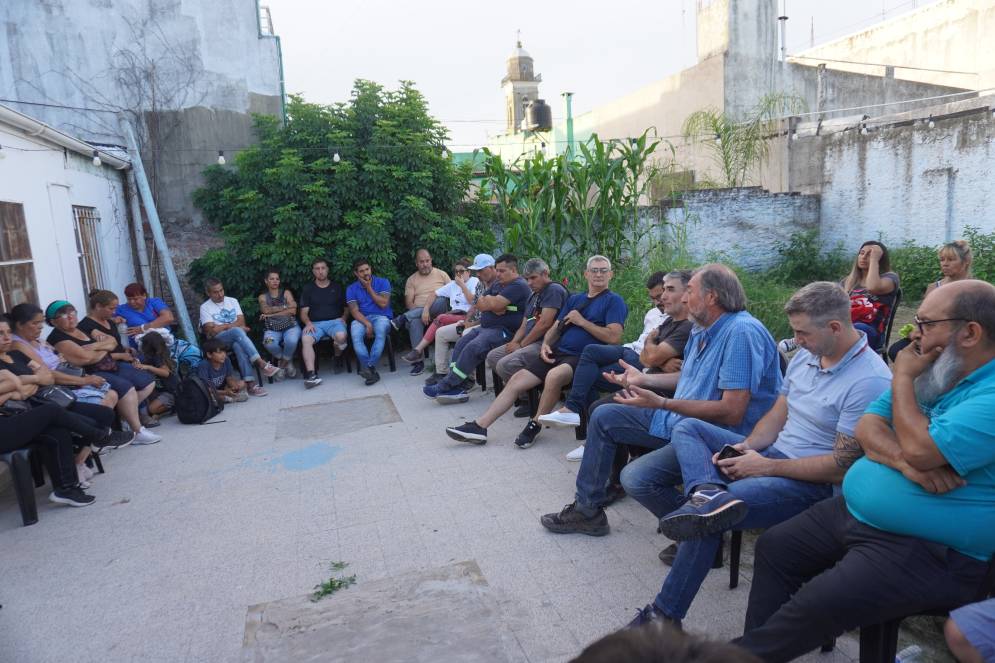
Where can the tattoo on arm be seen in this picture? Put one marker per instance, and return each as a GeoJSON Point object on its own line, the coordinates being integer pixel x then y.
{"type": "Point", "coordinates": [846, 450]}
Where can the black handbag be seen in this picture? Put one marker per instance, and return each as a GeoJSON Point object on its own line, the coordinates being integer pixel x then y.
{"type": "Point", "coordinates": [61, 396]}
{"type": "Point", "coordinates": [279, 323]}
{"type": "Point", "coordinates": [68, 369]}
{"type": "Point", "coordinates": [12, 407]}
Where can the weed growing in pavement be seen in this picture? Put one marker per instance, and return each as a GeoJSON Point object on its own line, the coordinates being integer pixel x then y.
{"type": "Point", "coordinates": [333, 584]}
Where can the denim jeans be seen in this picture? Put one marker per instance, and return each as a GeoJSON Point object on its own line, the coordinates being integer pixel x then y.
{"type": "Point", "coordinates": [381, 325]}
{"type": "Point", "coordinates": [651, 480]}
{"type": "Point", "coordinates": [594, 360]}
{"type": "Point", "coordinates": [611, 425]}
{"type": "Point", "coordinates": [282, 344]}
{"type": "Point", "coordinates": [471, 349]}
{"type": "Point", "coordinates": [873, 335]}
{"type": "Point", "coordinates": [416, 328]}
{"type": "Point", "coordinates": [245, 351]}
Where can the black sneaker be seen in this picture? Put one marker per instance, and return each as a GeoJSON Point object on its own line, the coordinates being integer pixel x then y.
{"type": "Point", "coordinates": [435, 378]}
{"type": "Point", "coordinates": [572, 521]}
{"type": "Point", "coordinates": [468, 432]}
{"type": "Point", "coordinates": [112, 439]}
{"type": "Point", "coordinates": [528, 435]}
{"type": "Point", "coordinates": [651, 614]}
{"type": "Point", "coordinates": [523, 411]}
{"type": "Point", "coordinates": [73, 496]}
{"type": "Point", "coordinates": [398, 323]}
{"type": "Point", "coordinates": [614, 493]}
{"type": "Point", "coordinates": [417, 368]}
{"type": "Point", "coordinates": [468, 384]}
{"type": "Point", "coordinates": [372, 377]}
{"type": "Point", "coordinates": [412, 356]}
{"type": "Point", "coordinates": [708, 511]}
{"type": "Point", "coordinates": [311, 381]}
{"type": "Point", "coordinates": [669, 554]}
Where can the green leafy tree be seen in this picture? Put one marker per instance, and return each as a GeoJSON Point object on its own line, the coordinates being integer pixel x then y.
{"type": "Point", "coordinates": [364, 178]}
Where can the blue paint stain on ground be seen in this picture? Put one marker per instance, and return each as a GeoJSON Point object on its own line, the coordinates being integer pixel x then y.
{"type": "Point", "coordinates": [308, 458]}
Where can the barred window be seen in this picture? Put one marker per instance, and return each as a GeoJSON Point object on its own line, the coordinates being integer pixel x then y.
{"type": "Point", "coordinates": [17, 272]}
{"type": "Point", "coordinates": [87, 223]}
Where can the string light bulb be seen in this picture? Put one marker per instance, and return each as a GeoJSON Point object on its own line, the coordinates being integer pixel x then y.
{"type": "Point", "coordinates": [336, 158]}
{"type": "Point", "coordinates": [445, 152]}
{"type": "Point", "coordinates": [221, 158]}
{"type": "Point", "coordinates": [96, 159]}
{"type": "Point", "coordinates": [930, 123]}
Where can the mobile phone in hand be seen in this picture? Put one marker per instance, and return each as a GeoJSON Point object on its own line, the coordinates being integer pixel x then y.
{"type": "Point", "coordinates": [729, 451]}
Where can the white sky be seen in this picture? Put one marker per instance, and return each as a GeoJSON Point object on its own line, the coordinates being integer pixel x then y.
{"type": "Point", "coordinates": [455, 52]}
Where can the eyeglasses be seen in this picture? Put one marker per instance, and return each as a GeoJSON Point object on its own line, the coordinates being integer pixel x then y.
{"type": "Point", "coordinates": [922, 323]}
{"type": "Point", "coordinates": [599, 270]}
{"type": "Point", "coordinates": [66, 315]}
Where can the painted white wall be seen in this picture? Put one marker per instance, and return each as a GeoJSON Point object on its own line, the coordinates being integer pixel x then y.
{"type": "Point", "coordinates": [48, 182]}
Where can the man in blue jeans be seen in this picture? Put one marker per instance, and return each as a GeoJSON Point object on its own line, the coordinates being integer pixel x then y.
{"type": "Point", "coordinates": [731, 376]}
{"type": "Point", "coordinates": [222, 318]}
{"type": "Point", "coordinates": [368, 298]}
{"type": "Point", "coordinates": [782, 467]}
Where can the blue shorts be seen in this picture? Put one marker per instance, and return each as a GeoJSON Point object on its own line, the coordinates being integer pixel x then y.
{"type": "Point", "coordinates": [125, 377]}
{"type": "Point", "coordinates": [977, 622]}
{"type": "Point", "coordinates": [327, 328]}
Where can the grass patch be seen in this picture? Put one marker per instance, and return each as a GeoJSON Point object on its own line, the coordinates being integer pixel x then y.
{"type": "Point", "coordinates": [334, 583]}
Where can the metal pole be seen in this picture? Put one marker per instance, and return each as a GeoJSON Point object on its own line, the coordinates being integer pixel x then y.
{"type": "Point", "coordinates": [157, 234]}
{"type": "Point", "coordinates": [137, 227]}
{"type": "Point", "coordinates": [570, 125]}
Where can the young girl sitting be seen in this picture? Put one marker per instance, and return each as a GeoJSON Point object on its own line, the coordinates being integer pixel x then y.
{"type": "Point", "coordinates": [217, 371]}
{"type": "Point", "coordinates": [155, 359]}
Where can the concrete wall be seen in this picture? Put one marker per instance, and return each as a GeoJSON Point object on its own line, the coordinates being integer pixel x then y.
{"type": "Point", "coordinates": [70, 53]}
{"type": "Point", "coordinates": [743, 224]}
{"type": "Point", "coordinates": [48, 182]}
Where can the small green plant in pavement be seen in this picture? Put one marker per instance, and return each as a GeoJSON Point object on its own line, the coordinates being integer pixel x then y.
{"type": "Point", "coordinates": [335, 583]}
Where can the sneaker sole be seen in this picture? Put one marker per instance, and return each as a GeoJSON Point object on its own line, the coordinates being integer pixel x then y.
{"type": "Point", "coordinates": [567, 529]}
{"type": "Point", "coordinates": [689, 526]}
{"type": "Point", "coordinates": [469, 438]}
{"type": "Point", "coordinates": [556, 423]}
{"type": "Point", "coordinates": [311, 385]}
{"type": "Point", "coordinates": [575, 460]}
{"type": "Point", "coordinates": [55, 499]}
{"type": "Point", "coordinates": [450, 400]}
{"type": "Point", "coordinates": [139, 443]}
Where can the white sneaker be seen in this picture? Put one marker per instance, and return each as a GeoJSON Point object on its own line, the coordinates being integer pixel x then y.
{"type": "Point", "coordinates": [560, 419]}
{"type": "Point", "coordinates": [577, 454]}
{"type": "Point", "coordinates": [145, 436]}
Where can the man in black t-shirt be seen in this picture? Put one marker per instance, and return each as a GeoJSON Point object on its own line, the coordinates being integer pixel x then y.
{"type": "Point", "coordinates": [501, 308]}
{"type": "Point", "coordinates": [323, 314]}
{"type": "Point", "coordinates": [540, 314]}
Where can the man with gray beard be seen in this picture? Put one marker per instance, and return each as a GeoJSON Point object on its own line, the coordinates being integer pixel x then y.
{"type": "Point", "coordinates": [915, 526]}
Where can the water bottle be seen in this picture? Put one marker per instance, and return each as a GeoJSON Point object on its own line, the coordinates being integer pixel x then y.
{"type": "Point", "coordinates": [122, 330]}
{"type": "Point", "coordinates": [787, 345]}
{"type": "Point", "coordinates": [911, 654]}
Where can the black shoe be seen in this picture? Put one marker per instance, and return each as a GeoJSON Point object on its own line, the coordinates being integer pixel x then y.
{"type": "Point", "coordinates": [528, 435]}
{"type": "Point", "coordinates": [651, 614]}
{"type": "Point", "coordinates": [372, 377]}
{"type": "Point", "coordinates": [435, 378]}
{"type": "Point", "coordinates": [311, 380]}
{"type": "Point", "coordinates": [614, 493]}
{"type": "Point", "coordinates": [523, 411]}
{"type": "Point", "coordinates": [73, 496]}
{"type": "Point", "coordinates": [417, 368]}
{"type": "Point", "coordinates": [668, 554]}
{"type": "Point", "coordinates": [467, 385]}
{"type": "Point", "coordinates": [399, 323]}
{"type": "Point", "coordinates": [572, 521]}
{"type": "Point", "coordinates": [468, 432]}
{"type": "Point", "coordinates": [112, 439]}
{"type": "Point", "coordinates": [707, 511]}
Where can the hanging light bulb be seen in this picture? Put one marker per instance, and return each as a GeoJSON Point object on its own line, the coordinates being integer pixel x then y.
{"type": "Point", "coordinates": [445, 152]}
{"type": "Point", "coordinates": [221, 158]}
{"type": "Point", "coordinates": [930, 123]}
{"type": "Point", "coordinates": [336, 158]}
{"type": "Point", "coordinates": [96, 159]}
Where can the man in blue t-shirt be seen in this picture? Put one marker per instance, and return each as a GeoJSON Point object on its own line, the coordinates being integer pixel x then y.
{"type": "Point", "coordinates": [731, 376]}
{"type": "Point", "coordinates": [595, 316]}
{"type": "Point", "coordinates": [915, 526]}
{"type": "Point", "coordinates": [501, 310]}
{"type": "Point", "coordinates": [368, 298]}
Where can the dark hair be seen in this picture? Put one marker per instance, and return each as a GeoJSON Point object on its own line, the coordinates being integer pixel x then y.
{"type": "Point", "coordinates": [463, 262]}
{"type": "Point", "coordinates": [655, 279]}
{"type": "Point", "coordinates": [977, 304]}
{"type": "Point", "coordinates": [508, 259]}
{"type": "Point", "coordinates": [317, 261]}
{"type": "Point", "coordinates": [359, 262]}
{"type": "Point", "coordinates": [721, 280]}
{"type": "Point", "coordinates": [272, 270]}
{"type": "Point", "coordinates": [210, 282]}
{"type": "Point", "coordinates": [22, 314]}
{"type": "Point", "coordinates": [134, 290]}
{"type": "Point", "coordinates": [659, 641]}
{"type": "Point", "coordinates": [153, 347]}
{"type": "Point", "coordinates": [856, 275]}
{"type": "Point", "coordinates": [100, 298]}
{"type": "Point", "coordinates": [683, 274]}
{"type": "Point", "coordinates": [212, 345]}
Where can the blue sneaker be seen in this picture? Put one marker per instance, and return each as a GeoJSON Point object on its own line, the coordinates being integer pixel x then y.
{"type": "Point", "coordinates": [431, 390]}
{"type": "Point", "coordinates": [651, 614]}
{"type": "Point", "coordinates": [452, 395]}
{"type": "Point", "coordinates": [706, 512]}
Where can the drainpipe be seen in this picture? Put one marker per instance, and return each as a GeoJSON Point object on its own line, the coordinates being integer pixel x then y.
{"type": "Point", "coordinates": [568, 96]}
{"type": "Point", "coordinates": [138, 228]}
{"type": "Point", "coordinates": [157, 234]}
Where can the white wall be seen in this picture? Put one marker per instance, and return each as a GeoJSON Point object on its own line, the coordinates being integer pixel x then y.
{"type": "Point", "coordinates": [48, 182]}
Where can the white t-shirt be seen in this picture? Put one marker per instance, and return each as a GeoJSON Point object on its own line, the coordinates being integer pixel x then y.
{"type": "Point", "coordinates": [220, 314]}
{"type": "Point", "coordinates": [653, 319]}
{"type": "Point", "coordinates": [457, 298]}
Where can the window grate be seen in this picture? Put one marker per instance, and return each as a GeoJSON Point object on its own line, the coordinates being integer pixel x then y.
{"type": "Point", "coordinates": [87, 224]}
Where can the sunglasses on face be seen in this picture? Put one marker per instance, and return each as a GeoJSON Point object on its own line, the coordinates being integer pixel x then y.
{"type": "Point", "coordinates": [599, 270]}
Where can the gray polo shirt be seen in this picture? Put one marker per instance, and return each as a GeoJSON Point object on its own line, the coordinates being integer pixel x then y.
{"type": "Point", "coordinates": [826, 401]}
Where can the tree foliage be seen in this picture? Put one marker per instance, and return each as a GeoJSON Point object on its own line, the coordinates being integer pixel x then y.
{"type": "Point", "coordinates": [288, 201]}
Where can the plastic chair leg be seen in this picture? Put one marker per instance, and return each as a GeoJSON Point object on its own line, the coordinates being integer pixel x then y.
{"type": "Point", "coordinates": [735, 548]}
{"type": "Point", "coordinates": [24, 486]}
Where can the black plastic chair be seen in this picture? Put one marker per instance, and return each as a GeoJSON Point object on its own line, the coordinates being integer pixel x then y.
{"type": "Point", "coordinates": [886, 339]}
{"type": "Point", "coordinates": [26, 475]}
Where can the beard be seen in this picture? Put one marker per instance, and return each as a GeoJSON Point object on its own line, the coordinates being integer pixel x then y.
{"type": "Point", "coordinates": [939, 378]}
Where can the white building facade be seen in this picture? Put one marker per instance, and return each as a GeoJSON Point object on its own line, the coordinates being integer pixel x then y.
{"type": "Point", "coordinates": [64, 226]}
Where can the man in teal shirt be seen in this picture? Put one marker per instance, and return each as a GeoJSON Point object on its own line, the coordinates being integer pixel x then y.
{"type": "Point", "coordinates": [915, 526]}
